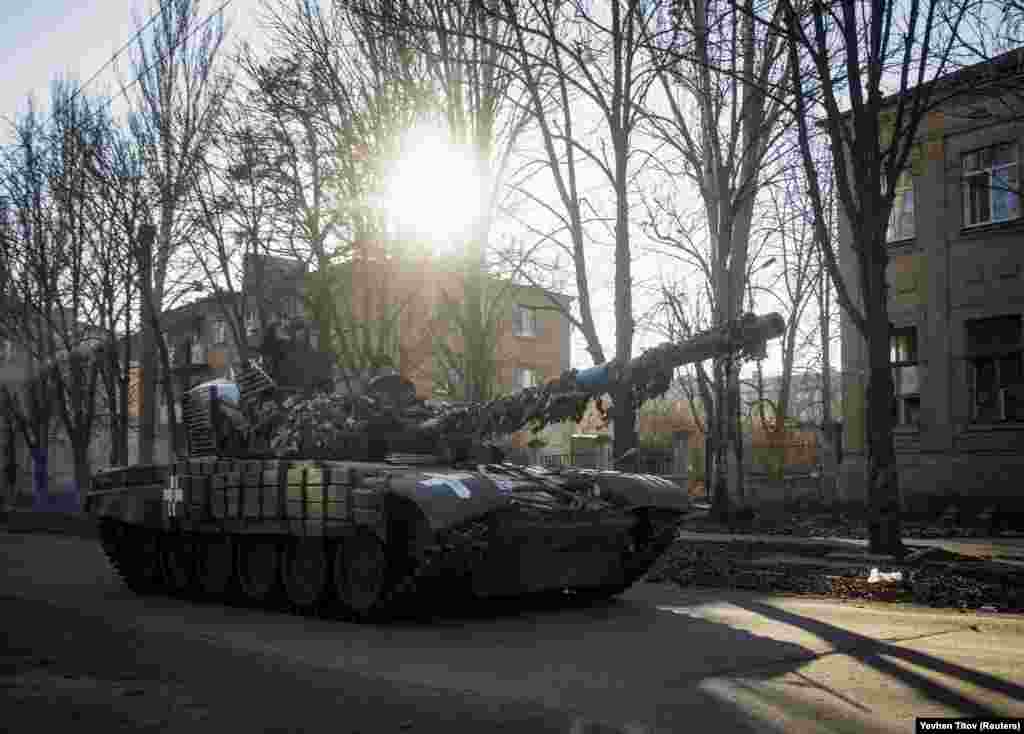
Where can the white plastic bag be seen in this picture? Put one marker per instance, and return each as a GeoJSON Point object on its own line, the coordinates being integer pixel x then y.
{"type": "Point", "coordinates": [893, 577]}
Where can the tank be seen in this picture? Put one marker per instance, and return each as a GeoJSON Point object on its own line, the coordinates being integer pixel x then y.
{"type": "Point", "coordinates": [371, 504]}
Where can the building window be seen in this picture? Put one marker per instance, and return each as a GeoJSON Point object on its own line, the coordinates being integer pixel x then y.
{"type": "Point", "coordinates": [252, 323]}
{"type": "Point", "coordinates": [220, 332]}
{"type": "Point", "coordinates": [906, 376]}
{"type": "Point", "coordinates": [990, 185]}
{"type": "Point", "coordinates": [901, 218]}
{"type": "Point", "coordinates": [525, 377]}
{"type": "Point", "coordinates": [197, 353]}
{"type": "Point", "coordinates": [6, 351]}
{"type": "Point", "coordinates": [524, 321]}
{"type": "Point", "coordinates": [994, 369]}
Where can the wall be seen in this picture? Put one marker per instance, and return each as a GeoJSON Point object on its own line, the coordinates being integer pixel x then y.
{"type": "Point", "coordinates": [944, 276]}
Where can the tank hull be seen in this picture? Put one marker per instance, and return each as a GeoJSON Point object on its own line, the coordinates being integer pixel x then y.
{"type": "Point", "coordinates": [496, 531]}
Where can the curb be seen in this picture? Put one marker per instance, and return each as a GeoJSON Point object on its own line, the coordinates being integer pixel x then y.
{"type": "Point", "coordinates": [58, 523]}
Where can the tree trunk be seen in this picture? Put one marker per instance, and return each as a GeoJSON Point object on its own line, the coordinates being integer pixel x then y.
{"type": "Point", "coordinates": [883, 479]}
{"type": "Point", "coordinates": [721, 501]}
{"type": "Point", "coordinates": [148, 357]}
{"type": "Point", "coordinates": [83, 469]}
{"type": "Point", "coordinates": [624, 418]}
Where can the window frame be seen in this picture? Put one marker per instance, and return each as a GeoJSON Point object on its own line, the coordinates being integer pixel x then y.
{"type": "Point", "coordinates": [196, 350]}
{"type": "Point", "coordinates": [906, 403]}
{"type": "Point", "coordinates": [521, 371]}
{"type": "Point", "coordinates": [220, 331]}
{"type": "Point", "coordinates": [989, 170]}
{"type": "Point", "coordinates": [519, 325]}
{"type": "Point", "coordinates": [904, 185]}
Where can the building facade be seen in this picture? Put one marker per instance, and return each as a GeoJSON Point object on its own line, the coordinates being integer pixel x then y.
{"type": "Point", "coordinates": [533, 337]}
{"type": "Point", "coordinates": [956, 301]}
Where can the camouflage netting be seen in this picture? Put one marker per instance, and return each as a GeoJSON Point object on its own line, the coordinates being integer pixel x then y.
{"type": "Point", "coordinates": [326, 421]}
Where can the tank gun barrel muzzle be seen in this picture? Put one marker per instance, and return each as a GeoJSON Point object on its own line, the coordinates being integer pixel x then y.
{"type": "Point", "coordinates": [746, 335]}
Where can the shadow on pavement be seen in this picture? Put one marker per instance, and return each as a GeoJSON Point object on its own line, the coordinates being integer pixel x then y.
{"type": "Point", "coordinates": [880, 655]}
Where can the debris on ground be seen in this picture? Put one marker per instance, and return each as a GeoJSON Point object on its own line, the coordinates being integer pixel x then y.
{"type": "Point", "coordinates": [880, 577]}
{"type": "Point", "coordinates": [937, 579]}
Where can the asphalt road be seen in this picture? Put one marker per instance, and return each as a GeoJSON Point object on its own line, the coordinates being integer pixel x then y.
{"type": "Point", "coordinates": [81, 648]}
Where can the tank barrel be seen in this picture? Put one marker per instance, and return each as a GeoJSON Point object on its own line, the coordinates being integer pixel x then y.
{"type": "Point", "coordinates": [647, 375]}
{"type": "Point", "coordinates": [746, 334]}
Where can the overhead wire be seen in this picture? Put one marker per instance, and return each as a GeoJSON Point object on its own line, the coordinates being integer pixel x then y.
{"type": "Point", "coordinates": [135, 36]}
{"type": "Point", "coordinates": [117, 53]}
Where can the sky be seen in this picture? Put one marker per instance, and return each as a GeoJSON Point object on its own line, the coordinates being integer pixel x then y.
{"type": "Point", "coordinates": [42, 41]}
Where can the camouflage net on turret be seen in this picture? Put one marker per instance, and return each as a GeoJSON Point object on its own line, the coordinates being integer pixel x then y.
{"type": "Point", "coordinates": [324, 421]}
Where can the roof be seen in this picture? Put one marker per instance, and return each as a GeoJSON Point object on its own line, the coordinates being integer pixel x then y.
{"type": "Point", "coordinates": [985, 77]}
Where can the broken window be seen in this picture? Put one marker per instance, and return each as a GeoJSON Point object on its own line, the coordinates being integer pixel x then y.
{"type": "Point", "coordinates": [994, 369]}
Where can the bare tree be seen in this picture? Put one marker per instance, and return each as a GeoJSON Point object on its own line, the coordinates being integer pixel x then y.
{"type": "Point", "coordinates": [587, 76]}
{"type": "Point", "coordinates": [849, 55]}
{"type": "Point", "coordinates": [717, 70]}
{"type": "Point", "coordinates": [175, 106]}
{"type": "Point", "coordinates": [118, 205]}
{"type": "Point", "coordinates": [788, 226]}
{"type": "Point", "coordinates": [238, 218]}
{"type": "Point", "coordinates": [57, 263]}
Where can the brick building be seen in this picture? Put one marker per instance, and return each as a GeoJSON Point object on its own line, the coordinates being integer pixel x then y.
{"type": "Point", "coordinates": [533, 339]}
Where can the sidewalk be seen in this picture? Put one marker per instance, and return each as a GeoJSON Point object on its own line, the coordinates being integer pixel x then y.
{"type": "Point", "coordinates": [1007, 550]}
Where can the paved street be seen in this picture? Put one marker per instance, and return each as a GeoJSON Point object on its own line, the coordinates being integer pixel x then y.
{"type": "Point", "coordinates": [660, 659]}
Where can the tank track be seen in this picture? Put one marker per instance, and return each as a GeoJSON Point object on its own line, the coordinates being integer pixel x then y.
{"type": "Point", "coordinates": [133, 554]}
{"type": "Point", "coordinates": [442, 579]}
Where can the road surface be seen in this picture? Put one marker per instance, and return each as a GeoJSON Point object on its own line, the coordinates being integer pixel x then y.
{"type": "Point", "coordinates": [80, 646]}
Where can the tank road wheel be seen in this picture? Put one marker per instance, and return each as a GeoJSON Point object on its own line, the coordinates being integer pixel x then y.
{"type": "Point", "coordinates": [259, 566]}
{"type": "Point", "coordinates": [305, 574]}
{"type": "Point", "coordinates": [216, 566]}
{"type": "Point", "coordinates": [178, 560]}
{"type": "Point", "coordinates": [362, 574]}
{"type": "Point", "coordinates": [138, 550]}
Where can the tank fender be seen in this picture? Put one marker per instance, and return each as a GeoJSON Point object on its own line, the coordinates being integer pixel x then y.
{"type": "Point", "coordinates": [407, 528]}
{"type": "Point", "coordinates": [642, 490]}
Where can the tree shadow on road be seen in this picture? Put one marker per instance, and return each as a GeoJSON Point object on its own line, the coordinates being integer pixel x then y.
{"type": "Point", "coordinates": [881, 655]}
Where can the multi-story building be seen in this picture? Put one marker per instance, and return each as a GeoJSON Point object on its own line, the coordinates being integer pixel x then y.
{"type": "Point", "coordinates": [533, 337]}
{"type": "Point", "coordinates": [956, 300]}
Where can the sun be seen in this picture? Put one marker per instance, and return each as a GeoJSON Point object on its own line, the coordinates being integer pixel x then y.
{"type": "Point", "coordinates": [434, 190]}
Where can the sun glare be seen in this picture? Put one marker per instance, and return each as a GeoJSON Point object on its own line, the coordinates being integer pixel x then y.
{"type": "Point", "coordinates": [434, 191]}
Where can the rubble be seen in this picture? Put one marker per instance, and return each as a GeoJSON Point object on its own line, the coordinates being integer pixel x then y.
{"type": "Point", "coordinates": [941, 579]}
